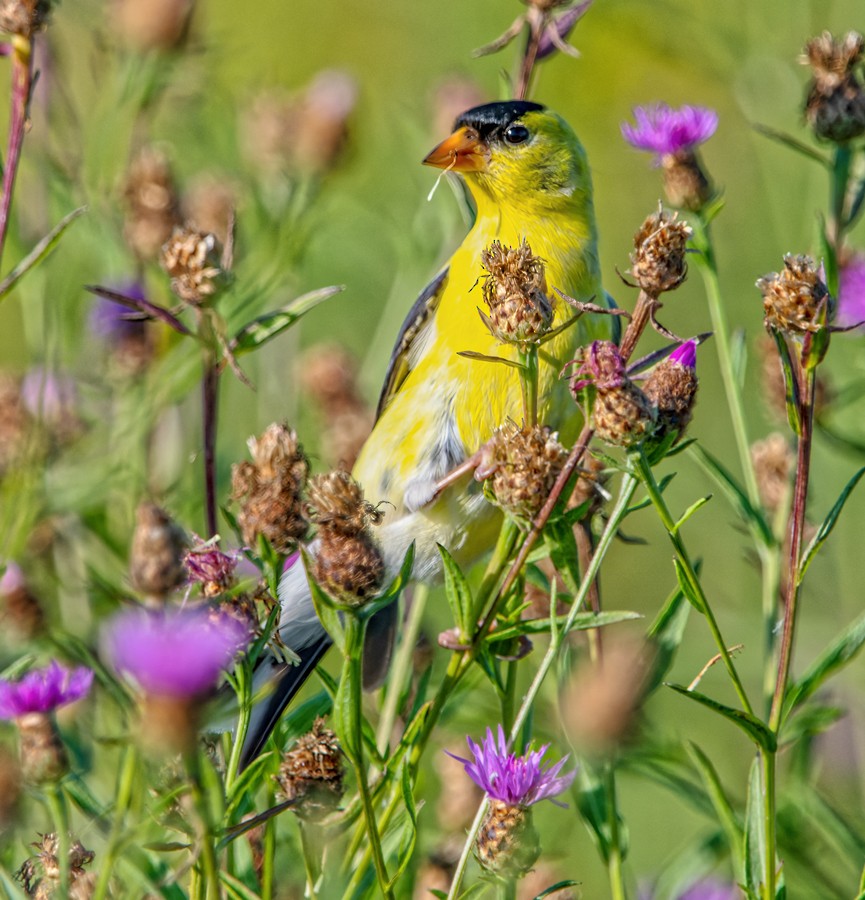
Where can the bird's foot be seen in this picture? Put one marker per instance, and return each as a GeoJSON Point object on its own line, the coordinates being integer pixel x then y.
{"type": "Point", "coordinates": [479, 464]}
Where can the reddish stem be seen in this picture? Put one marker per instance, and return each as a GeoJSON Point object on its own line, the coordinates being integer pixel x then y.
{"type": "Point", "coordinates": [209, 406]}
{"type": "Point", "coordinates": [22, 80]}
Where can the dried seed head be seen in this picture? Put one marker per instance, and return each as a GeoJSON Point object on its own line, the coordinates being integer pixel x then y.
{"type": "Point", "coordinates": [672, 387]}
{"type": "Point", "coordinates": [10, 788]}
{"type": "Point", "coordinates": [590, 486]}
{"type": "Point", "coordinates": [795, 298]}
{"type": "Point", "coordinates": [507, 843]}
{"type": "Point", "coordinates": [156, 556]}
{"type": "Point", "coordinates": [623, 416]}
{"type": "Point", "coordinates": [43, 756]}
{"type": "Point", "coordinates": [20, 610]}
{"type": "Point", "coordinates": [192, 259]}
{"type": "Point", "coordinates": [600, 364]}
{"type": "Point", "coordinates": [208, 205]}
{"type": "Point", "coordinates": [525, 464]}
{"type": "Point", "coordinates": [147, 25]}
{"type": "Point", "coordinates": [40, 875]}
{"type": "Point", "coordinates": [152, 205]}
{"type": "Point", "coordinates": [349, 566]}
{"type": "Point", "coordinates": [658, 263]}
{"type": "Point", "coordinates": [601, 705]}
{"type": "Point", "coordinates": [270, 489]}
{"type": "Point", "coordinates": [835, 104]}
{"type": "Point", "coordinates": [23, 17]}
{"type": "Point", "coordinates": [514, 290]}
{"type": "Point", "coordinates": [337, 504]}
{"type": "Point", "coordinates": [311, 773]}
{"type": "Point", "coordinates": [773, 460]}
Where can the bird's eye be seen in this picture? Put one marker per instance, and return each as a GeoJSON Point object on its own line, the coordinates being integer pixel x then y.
{"type": "Point", "coordinates": [517, 134]}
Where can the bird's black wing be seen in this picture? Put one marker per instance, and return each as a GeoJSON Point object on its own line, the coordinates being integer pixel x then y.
{"type": "Point", "coordinates": [400, 358]}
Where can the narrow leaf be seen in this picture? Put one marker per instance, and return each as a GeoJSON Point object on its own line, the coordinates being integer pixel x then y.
{"type": "Point", "coordinates": [409, 840]}
{"type": "Point", "coordinates": [152, 310]}
{"type": "Point", "coordinates": [753, 517]}
{"type": "Point", "coordinates": [665, 634]}
{"type": "Point", "coordinates": [752, 726]}
{"type": "Point", "coordinates": [263, 329]}
{"type": "Point", "coordinates": [691, 510]}
{"type": "Point", "coordinates": [827, 525]}
{"type": "Point", "coordinates": [582, 622]}
{"type": "Point", "coordinates": [483, 357]}
{"type": "Point", "coordinates": [687, 588]}
{"type": "Point", "coordinates": [39, 252]}
{"type": "Point", "coordinates": [835, 657]}
{"type": "Point", "coordinates": [393, 590]}
{"type": "Point", "coordinates": [791, 382]}
{"type": "Point", "coordinates": [755, 836]}
{"type": "Point", "coordinates": [793, 143]}
{"type": "Point", "coordinates": [324, 607]}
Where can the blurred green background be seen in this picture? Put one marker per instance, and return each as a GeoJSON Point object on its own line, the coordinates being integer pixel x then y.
{"type": "Point", "coordinates": [372, 229]}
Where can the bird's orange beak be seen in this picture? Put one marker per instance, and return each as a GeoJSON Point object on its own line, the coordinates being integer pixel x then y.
{"type": "Point", "coordinates": [463, 151]}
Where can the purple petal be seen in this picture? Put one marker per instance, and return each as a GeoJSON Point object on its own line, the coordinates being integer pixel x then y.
{"type": "Point", "coordinates": [685, 355]}
{"type": "Point", "coordinates": [43, 690]}
{"type": "Point", "coordinates": [851, 292]}
{"type": "Point", "coordinates": [174, 652]}
{"type": "Point", "coordinates": [563, 26]}
{"type": "Point", "coordinates": [662, 130]}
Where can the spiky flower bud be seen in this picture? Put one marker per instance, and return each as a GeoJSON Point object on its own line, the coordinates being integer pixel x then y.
{"type": "Point", "coordinates": [156, 557]}
{"type": "Point", "coordinates": [348, 563]}
{"type": "Point", "coordinates": [658, 263]}
{"type": "Point", "coordinates": [337, 503]}
{"type": "Point", "coordinates": [514, 290]}
{"type": "Point", "coordinates": [40, 875]}
{"type": "Point", "coordinates": [192, 259]}
{"type": "Point", "coordinates": [622, 414]}
{"type": "Point", "coordinates": [152, 203]}
{"type": "Point", "coordinates": [773, 461]}
{"type": "Point", "coordinates": [508, 843]}
{"type": "Point", "coordinates": [795, 298]}
{"type": "Point", "coordinates": [23, 17]}
{"type": "Point", "coordinates": [835, 104]}
{"type": "Point", "coordinates": [270, 489]}
{"type": "Point", "coordinates": [672, 387]}
{"type": "Point", "coordinates": [524, 464]}
{"type": "Point", "coordinates": [311, 773]}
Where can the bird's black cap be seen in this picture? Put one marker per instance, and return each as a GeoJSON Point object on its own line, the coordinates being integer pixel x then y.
{"type": "Point", "coordinates": [492, 118]}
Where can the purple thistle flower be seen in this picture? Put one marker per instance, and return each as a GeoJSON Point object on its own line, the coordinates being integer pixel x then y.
{"type": "Point", "coordinates": [43, 690]}
{"type": "Point", "coordinates": [206, 564]}
{"type": "Point", "coordinates": [515, 780]}
{"type": "Point", "coordinates": [685, 355]}
{"type": "Point", "coordinates": [711, 889]}
{"type": "Point", "coordinates": [174, 652]}
{"type": "Point", "coordinates": [662, 130]}
{"type": "Point", "coordinates": [851, 292]}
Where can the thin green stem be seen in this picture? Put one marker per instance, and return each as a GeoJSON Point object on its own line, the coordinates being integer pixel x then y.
{"type": "Point", "coordinates": [648, 479]}
{"type": "Point", "coordinates": [242, 673]}
{"type": "Point", "coordinates": [125, 787]}
{"type": "Point", "coordinates": [617, 514]}
{"type": "Point", "coordinates": [309, 860]}
{"type": "Point", "coordinates": [767, 761]}
{"type": "Point", "coordinates": [721, 331]}
{"type": "Point", "coordinates": [529, 384]}
{"type": "Point", "coordinates": [401, 669]}
{"type": "Point", "coordinates": [56, 800]}
{"type": "Point", "coordinates": [269, 857]}
{"type": "Point", "coordinates": [615, 860]}
{"type": "Point", "coordinates": [208, 884]}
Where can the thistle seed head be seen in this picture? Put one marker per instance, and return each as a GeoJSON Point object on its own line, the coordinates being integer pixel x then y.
{"type": "Point", "coordinates": [349, 566]}
{"type": "Point", "coordinates": [337, 504]}
{"type": "Point", "coordinates": [835, 103]}
{"type": "Point", "coordinates": [192, 259]}
{"type": "Point", "coordinates": [311, 773]}
{"type": "Point", "coordinates": [672, 388]}
{"type": "Point", "coordinates": [156, 557]}
{"type": "Point", "coordinates": [526, 463]}
{"type": "Point", "coordinates": [270, 489]}
{"type": "Point", "coordinates": [514, 290]}
{"type": "Point", "coordinates": [794, 299]}
{"type": "Point", "coordinates": [658, 263]}
{"type": "Point", "coordinates": [507, 844]}
{"type": "Point", "coordinates": [624, 416]}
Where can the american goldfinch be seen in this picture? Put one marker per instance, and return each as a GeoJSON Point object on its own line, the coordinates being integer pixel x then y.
{"type": "Point", "coordinates": [528, 176]}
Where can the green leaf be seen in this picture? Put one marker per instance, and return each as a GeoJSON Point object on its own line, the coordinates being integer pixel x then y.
{"type": "Point", "coordinates": [592, 803]}
{"type": "Point", "coordinates": [811, 720]}
{"type": "Point", "coordinates": [558, 886]}
{"type": "Point", "coordinates": [458, 593]}
{"type": "Point", "coordinates": [755, 835]}
{"type": "Point", "coordinates": [324, 606]}
{"type": "Point", "coordinates": [562, 546]}
{"type": "Point", "coordinates": [39, 252]}
{"type": "Point", "coordinates": [409, 838]}
{"type": "Point", "coordinates": [827, 525]}
{"type": "Point", "coordinates": [753, 517]}
{"type": "Point", "coordinates": [739, 356]}
{"type": "Point", "coordinates": [751, 725]}
{"type": "Point", "coordinates": [483, 357]}
{"type": "Point", "coordinates": [582, 622]}
{"type": "Point", "coordinates": [835, 657]}
{"type": "Point", "coordinates": [263, 329]}
{"type": "Point", "coordinates": [687, 588]}
{"type": "Point", "coordinates": [724, 811]}
{"type": "Point", "coordinates": [791, 382]}
{"type": "Point", "coordinates": [793, 143]}
{"type": "Point", "coordinates": [690, 511]}
{"type": "Point", "coordinates": [670, 773]}
{"type": "Point", "coordinates": [393, 590]}
{"type": "Point", "coordinates": [647, 501]}
{"type": "Point", "coordinates": [665, 634]}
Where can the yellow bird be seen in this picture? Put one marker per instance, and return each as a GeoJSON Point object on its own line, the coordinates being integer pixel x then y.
{"type": "Point", "coordinates": [528, 175]}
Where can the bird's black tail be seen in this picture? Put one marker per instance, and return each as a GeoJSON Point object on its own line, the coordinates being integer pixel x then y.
{"type": "Point", "coordinates": [287, 680]}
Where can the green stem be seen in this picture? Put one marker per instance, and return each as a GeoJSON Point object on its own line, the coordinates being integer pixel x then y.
{"type": "Point", "coordinates": [648, 479]}
{"type": "Point", "coordinates": [125, 787]}
{"type": "Point", "coordinates": [309, 860]}
{"type": "Point", "coordinates": [401, 669]}
{"type": "Point", "coordinates": [244, 697]}
{"type": "Point", "coordinates": [267, 867]}
{"type": "Point", "coordinates": [767, 760]}
{"type": "Point", "coordinates": [352, 744]}
{"type": "Point", "coordinates": [617, 514]}
{"type": "Point", "coordinates": [614, 862]}
{"type": "Point", "coordinates": [721, 331]}
{"type": "Point", "coordinates": [529, 384]}
{"type": "Point", "coordinates": [208, 884]}
{"type": "Point", "coordinates": [56, 800]}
